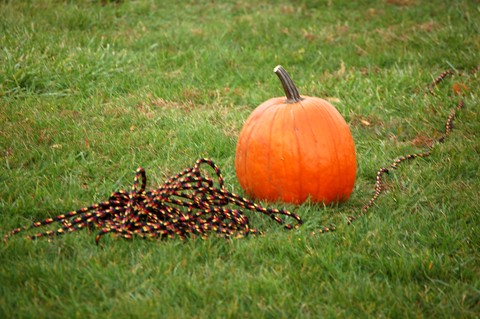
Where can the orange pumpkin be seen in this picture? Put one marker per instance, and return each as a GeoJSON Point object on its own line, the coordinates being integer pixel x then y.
{"type": "Point", "coordinates": [296, 149]}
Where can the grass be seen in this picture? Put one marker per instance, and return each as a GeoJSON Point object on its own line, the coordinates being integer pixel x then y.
{"type": "Point", "coordinates": [90, 90]}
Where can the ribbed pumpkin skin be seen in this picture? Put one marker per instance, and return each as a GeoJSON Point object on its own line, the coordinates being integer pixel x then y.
{"type": "Point", "coordinates": [295, 151]}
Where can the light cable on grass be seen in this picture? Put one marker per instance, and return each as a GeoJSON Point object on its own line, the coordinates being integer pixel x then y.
{"type": "Point", "coordinates": [379, 185]}
{"type": "Point", "coordinates": [193, 204]}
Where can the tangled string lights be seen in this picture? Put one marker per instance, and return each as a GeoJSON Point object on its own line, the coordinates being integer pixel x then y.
{"type": "Point", "coordinates": [188, 204]}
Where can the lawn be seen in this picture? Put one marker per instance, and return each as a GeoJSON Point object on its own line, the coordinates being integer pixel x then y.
{"type": "Point", "coordinates": [91, 90]}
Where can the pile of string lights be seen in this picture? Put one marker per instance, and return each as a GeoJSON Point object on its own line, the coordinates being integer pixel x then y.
{"type": "Point", "coordinates": [188, 204]}
{"type": "Point", "coordinates": [193, 204]}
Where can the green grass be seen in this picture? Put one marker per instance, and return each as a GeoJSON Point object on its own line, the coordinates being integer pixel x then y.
{"type": "Point", "coordinates": [91, 91]}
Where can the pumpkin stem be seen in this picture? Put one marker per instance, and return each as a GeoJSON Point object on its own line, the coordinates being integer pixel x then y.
{"type": "Point", "coordinates": [289, 87]}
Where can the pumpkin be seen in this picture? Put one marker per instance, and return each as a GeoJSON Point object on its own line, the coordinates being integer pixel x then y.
{"type": "Point", "coordinates": [296, 148]}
